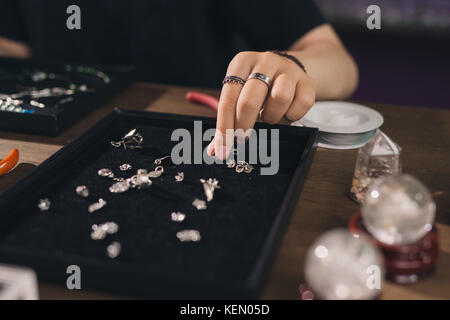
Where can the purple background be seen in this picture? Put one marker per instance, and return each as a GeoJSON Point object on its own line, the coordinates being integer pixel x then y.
{"type": "Point", "coordinates": [407, 61]}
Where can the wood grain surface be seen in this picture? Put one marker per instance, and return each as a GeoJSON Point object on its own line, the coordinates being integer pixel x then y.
{"type": "Point", "coordinates": [423, 134]}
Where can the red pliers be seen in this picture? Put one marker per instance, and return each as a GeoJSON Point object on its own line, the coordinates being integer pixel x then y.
{"type": "Point", "coordinates": [9, 162]}
{"type": "Point", "coordinates": [204, 99]}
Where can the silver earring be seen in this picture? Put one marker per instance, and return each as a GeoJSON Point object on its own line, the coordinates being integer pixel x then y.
{"type": "Point", "coordinates": [179, 177]}
{"type": "Point", "coordinates": [209, 186]}
{"type": "Point", "coordinates": [159, 170]}
{"type": "Point", "coordinates": [44, 204]}
{"type": "Point", "coordinates": [125, 167]}
{"type": "Point", "coordinates": [199, 204]}
{"type": "Point", "coordinates": [120, 187]}
{"type": "Point", "coordinates": [231, 163]}
{"type": "Point", "coordinates": [177, 216]}
{"type": "Point", "coordinates": [159, 161]}
{"type": "Point", "coordinates": [114, 249]}
{"type": "Point", "coordinates": [132, 140]}
{"type": "Point", "coordinates": [97, 205]}
{"type": "Point", "coordinates": [99, 232]}
{"type": "Point", "coordinates": [189, 236]}
{"type": "Point", "coordinates": [82, 191]}
{"type": "Point", "coordinates": [243, 166]}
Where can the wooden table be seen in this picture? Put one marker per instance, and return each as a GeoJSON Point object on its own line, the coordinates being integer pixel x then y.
{"type": "Point", "coordinates": [424, 135]}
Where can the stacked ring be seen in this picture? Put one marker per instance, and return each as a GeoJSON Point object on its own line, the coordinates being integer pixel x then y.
{"type": "Point", "coordinates": [262, 77]}
{"type": "Point", "coordinates": [233, 79]}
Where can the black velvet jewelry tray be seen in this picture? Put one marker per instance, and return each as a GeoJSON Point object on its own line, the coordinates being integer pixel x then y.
{"type": "Point", "coordinates": [241, 228]}
{"type": "Point", "coordinates": [60, 112]}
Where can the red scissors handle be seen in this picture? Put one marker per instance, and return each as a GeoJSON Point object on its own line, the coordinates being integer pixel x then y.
{"type": "Point", "coordinates": [206, 100]}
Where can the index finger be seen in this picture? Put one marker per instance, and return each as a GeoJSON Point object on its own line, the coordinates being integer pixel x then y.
{"type": "Point", "coordinates": [226, 114]}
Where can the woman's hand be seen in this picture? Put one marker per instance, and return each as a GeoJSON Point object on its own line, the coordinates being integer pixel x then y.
{"type": "Point", "coordinates": [292, 94]}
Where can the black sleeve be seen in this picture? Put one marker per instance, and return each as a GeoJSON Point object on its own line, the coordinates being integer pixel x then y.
{"type": "Point", "coordinates": [11, 23]}
{"type": "Point", "coordinates": [271, 24]}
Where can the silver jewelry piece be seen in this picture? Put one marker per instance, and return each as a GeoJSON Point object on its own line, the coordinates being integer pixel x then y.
{"type": "Point", "coordinates": [107, 173]}
{"type": "Point", "coordinates": [82, 191]}
{"type": "Point", "coordinates": [189, 236]}
{"type": "Point", "coordinates": [177, 216]}
{"type": "Point", "coordinates": [159, 170]}
{"type": "Point", "coordinates": [233, 79]}
{"type": "Point", "coordinates": [199, 204]}
{"type": "Point", "coordinates": [132, 140]}
{"type": "Point", "coordinates": [114, 249]}
{"type": "Point", "coordinates": [99, 232]}
{"type": "Point", "coordinates": [209, 186]}
{"type": "Point", "coordinates": [179, 177]}
{"type": "Point", "coordinates": [120, 187]}
{"type": "Point", "coordinates": [97, 205]}
{"type": "Point", "coordinates": [262, 77]}
{"type": "Point", "coordinates": [159, 161]}
{"type": "Point", "coordinates": [125, 167]}
{"type": "Point", "coordinates": [44, 204]}
{"type": "Point", "coordinates": [231, 163]}
{"type": "Point", "coordinates": [243, 166]}
{"type": "Point", "coordinates": [143, 181]}
{"type": "Point", "coordinates": [142, 171]}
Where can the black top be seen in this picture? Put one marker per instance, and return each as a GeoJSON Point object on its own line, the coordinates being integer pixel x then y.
{"type": "Point", "coordinates": [169, 41]}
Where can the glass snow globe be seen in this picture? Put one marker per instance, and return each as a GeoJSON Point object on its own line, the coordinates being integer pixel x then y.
{"type": "Point", "coordinates": [344, 266]}
{"type": "Point", "coordinates": [398, 210]}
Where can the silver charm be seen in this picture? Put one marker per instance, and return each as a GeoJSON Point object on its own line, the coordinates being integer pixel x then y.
{"type": "Point", "coordinates": [97, 205]}
{"type": "Point", "coordinates": [243, 166]}
{"type": "Point", "coordinates": [99, 232]}
{"type": "Point", "coordinates": [231, 163]}
{"type": "Point", "coordinates": [44, 204]}
{"type": "Point", "coordinates": [107, 173]}
{"type": "Point", "coordinates": [125, 167]}
{"type": "Point", "coordinates": [179, 177]}
{"type": "Point", "coordinates": [159, 161]}
{"type": "Point", "coordinates": [199, 204]}
{"type": "Point", "coordinates": [142, 171]}
{"type": "Point", "coordinates": [132, 140]}
{"type": "Point", "coordinates": [177, 216]}
{"type": "Point", "coordinates": [239, 168]}
{"type": "Point", "coordinates": [82, 191]}
{"type": "Point", "coordinates": [209, 186]}
{"type": "Point", "coordinates": [143, 181]}
{"type": "Point", "coordinates": [113, 250]}
{"type": "Point", "coordinates": [189, 236]}
{"type": "Point", "coordinates": [248, 168]}
{"type": "Point", "coordinates": [120, 187]}
{"type": "Point", "coordinates": [157, 172]}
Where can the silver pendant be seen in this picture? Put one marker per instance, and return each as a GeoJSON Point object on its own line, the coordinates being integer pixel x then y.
{"type": "Point", "coordinates": [132, 140]}
{"type": "Point", "coordinates": [177, 216]}
{"type": "Point", "coordinates": [179, 177]}
{"type": "Point", "coordinates": [157, 172]}
{"type": "Point", "coordinates": [120, 187]}
{"type": "Point", "coordinates": [44, 204]}
{"type": "Point", "coordinates": [114, 249]}
{"type": "Point", "coordinates": [209, 186]}
{"type": "Point", "coordinates": [199, 204]}
{"type": "Point", "coordinates": [97, 205]}
{"type": "Point", "coordinates": [82, 191]}
{"type": "Point", "coordinates": [189, 236]}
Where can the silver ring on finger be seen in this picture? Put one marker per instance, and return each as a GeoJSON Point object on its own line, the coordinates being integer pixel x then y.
{"type": "Point", "coordinates": [262, 77]}
{"type": "Point", "coordinates": [233, 80]}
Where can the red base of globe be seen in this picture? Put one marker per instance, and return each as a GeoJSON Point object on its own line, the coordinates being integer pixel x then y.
{"type": "Point", "coordinates": [305, 293]}
{"type": "Point", "coordinates": [404, 263]}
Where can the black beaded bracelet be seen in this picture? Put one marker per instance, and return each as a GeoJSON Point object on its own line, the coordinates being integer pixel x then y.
{"type": "Point", "coordinates": [290, 57]}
